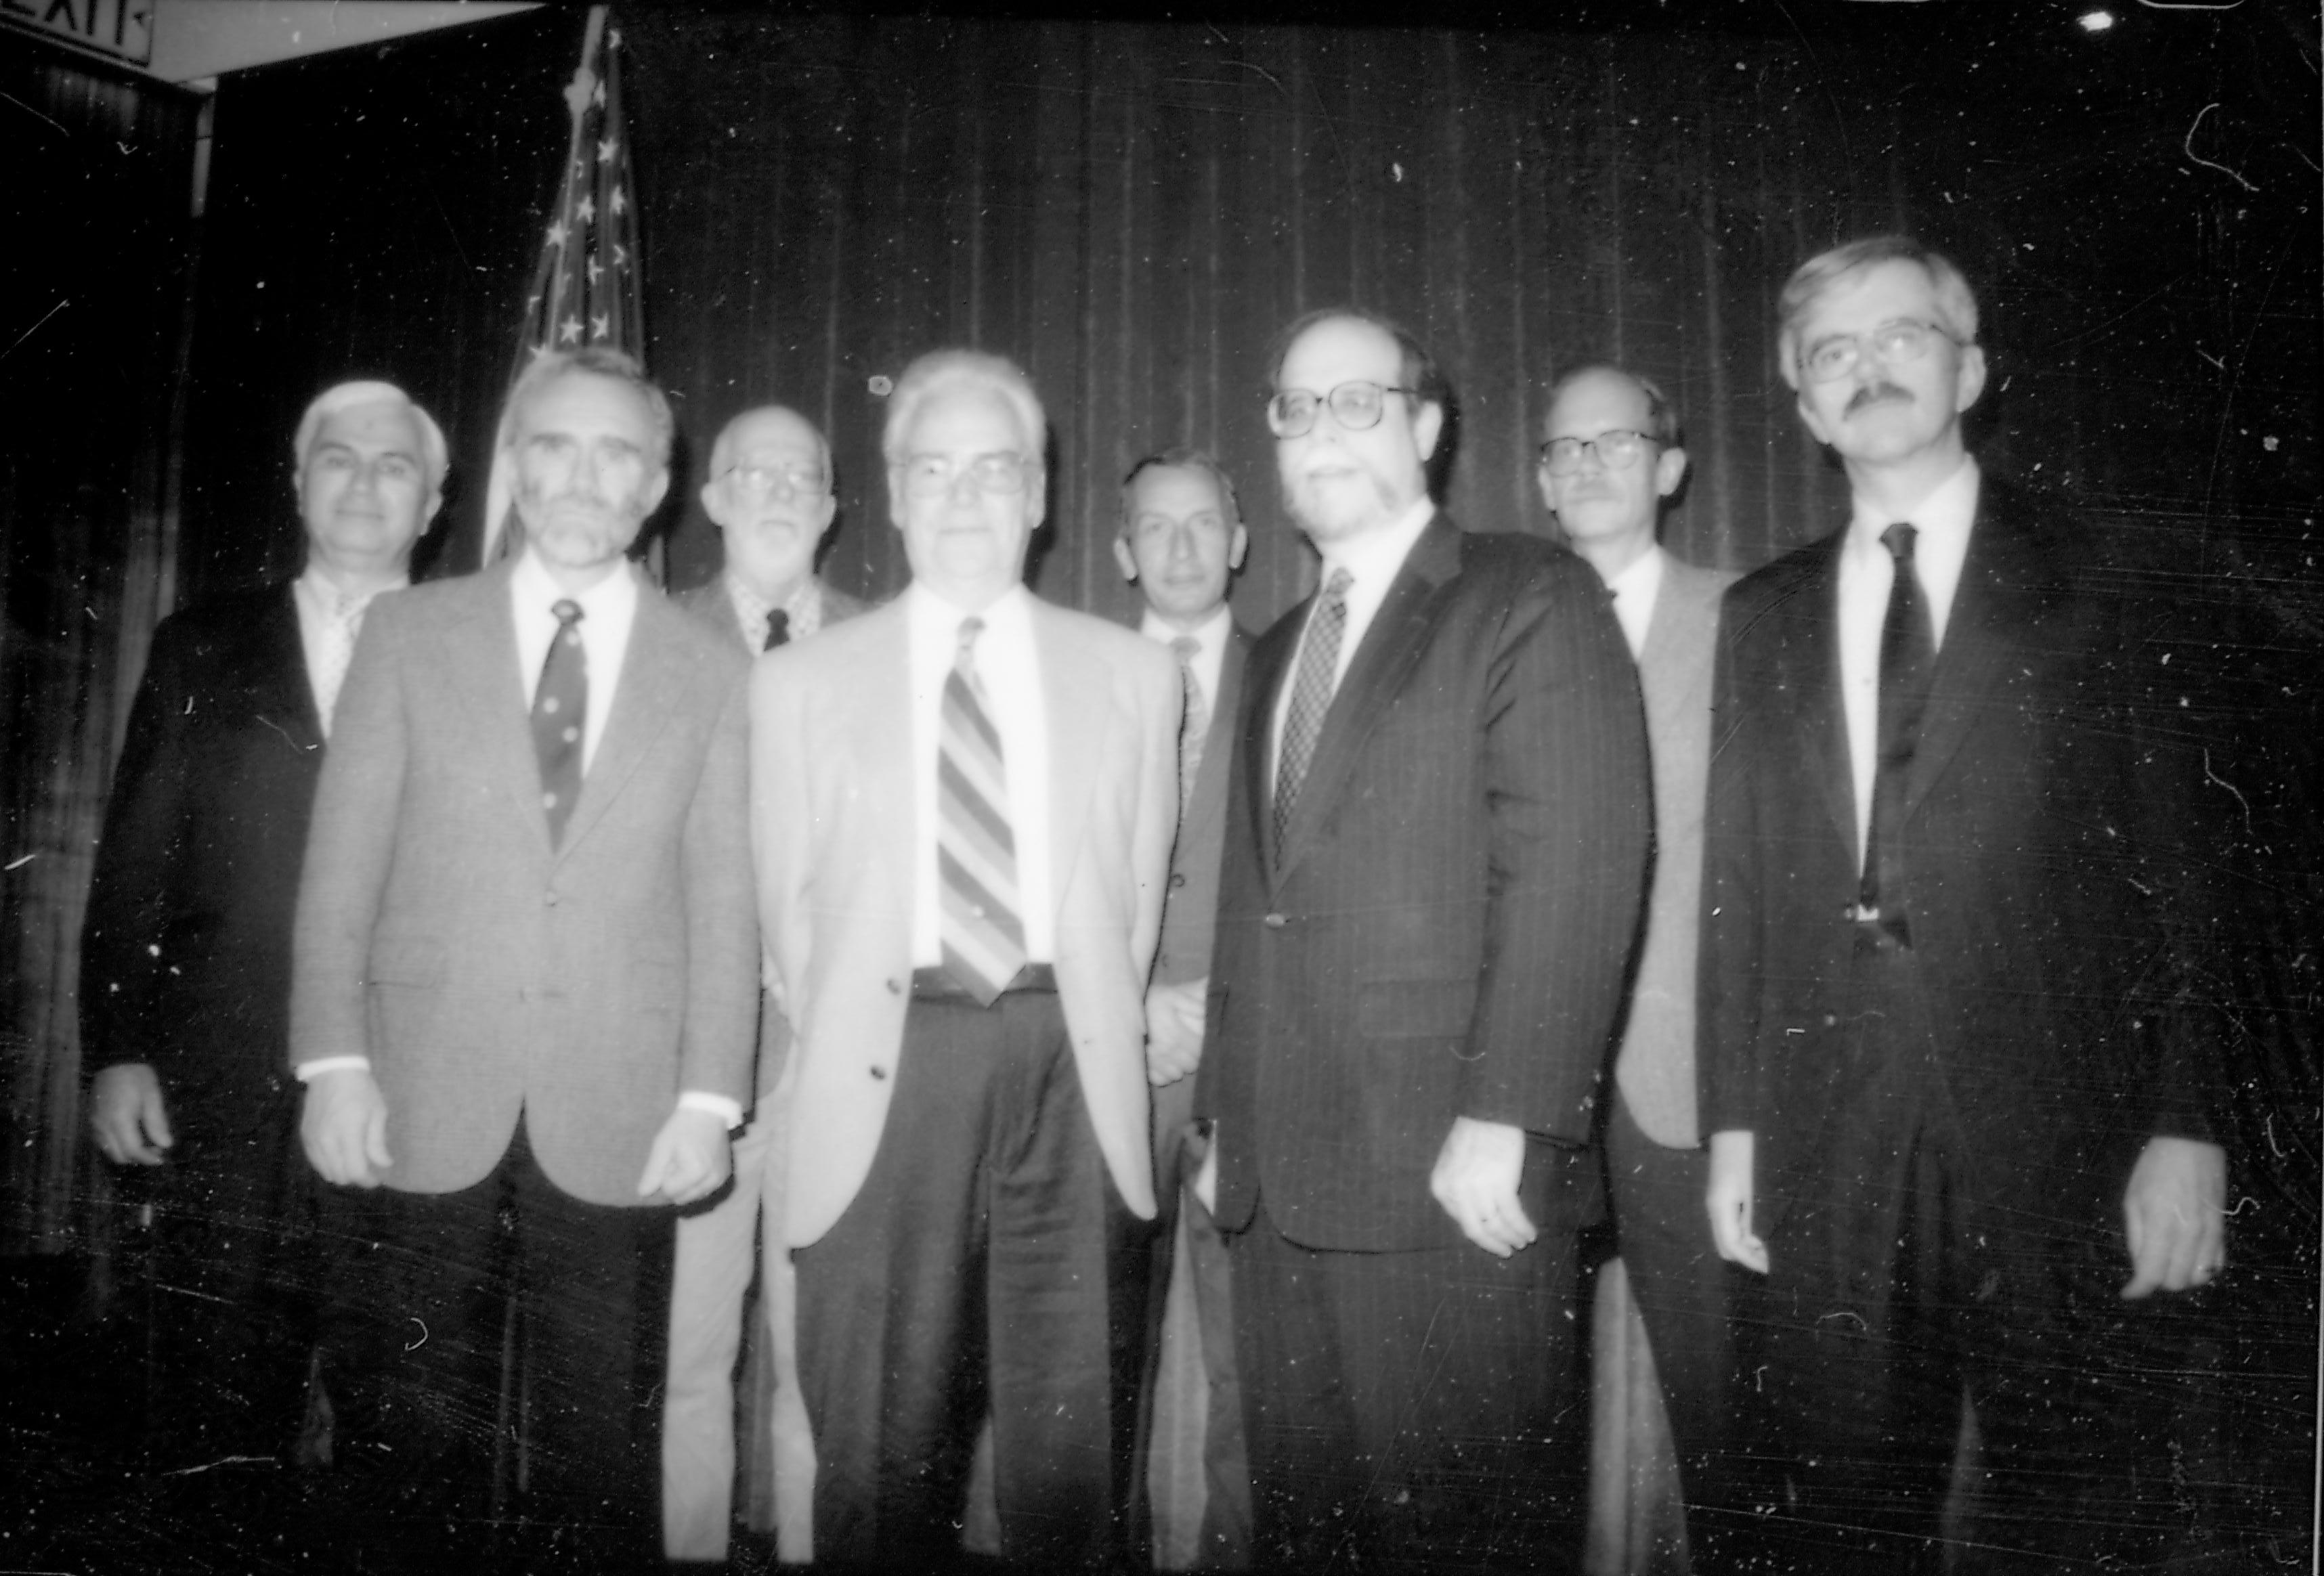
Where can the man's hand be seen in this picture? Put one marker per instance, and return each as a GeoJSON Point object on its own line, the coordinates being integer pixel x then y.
{"type": "Point", "coordinates": [1476, 1181]}
{"type": "Point", "coordinates": [2174, 1215]}
{"type": "Point", "coordinates": [689, 1159]}
{"type": "Point", "coordinates": [342, 1126]}
{"type": "Point", "coordinates": [1174, 1030]}
{"type": "Point", "coordinates": [1730, 1199]}
{"type": "Point", "coordinates": [126, 1114]}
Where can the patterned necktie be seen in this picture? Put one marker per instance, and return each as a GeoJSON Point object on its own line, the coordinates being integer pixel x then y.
{"type": "Point", "coordinates": [1311, 697]}
{"type": "Point", "coordinates": [337, 650]}
{"type": "Point", "coordinates": [560, 710]}
{"type": "Point", "coordinates": [1908, 651]}
{"type": "Point", "coordinates": [1195, 730]}
{"type": "Point", "coordinates": [976, 855]}
{"type": "Point", "coordinates": [778, 631]}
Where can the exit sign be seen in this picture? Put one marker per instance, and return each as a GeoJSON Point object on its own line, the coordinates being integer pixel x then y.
{"type": "Point", "coordinates": [119, 30]}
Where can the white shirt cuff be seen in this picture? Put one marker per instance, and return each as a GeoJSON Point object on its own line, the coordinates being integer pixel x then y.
{"type": "Point", "coordinates": [308, 1072]}
{"type": "Point", "coordinates": [727, 1110]}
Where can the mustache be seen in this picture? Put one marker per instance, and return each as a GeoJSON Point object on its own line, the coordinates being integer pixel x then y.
{"type": "Point", "coordinates": [1876, 394]}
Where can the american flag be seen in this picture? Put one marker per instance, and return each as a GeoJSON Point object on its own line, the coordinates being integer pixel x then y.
{"type": "Point", "coordinates": [585, 288]}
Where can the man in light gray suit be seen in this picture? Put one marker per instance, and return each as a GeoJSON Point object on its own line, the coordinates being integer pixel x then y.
{"type": "Point", "coordinates": [769, 495]}
{"type": "Point", "coordinates": [524, 989]}
{"type": "Point", "coordinates": [1610, 461]}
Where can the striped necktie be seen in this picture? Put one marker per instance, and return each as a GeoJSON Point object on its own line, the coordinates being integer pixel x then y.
{"type": "Point", "coordinates": [979, 921]}
{"type": "Point", "coordinates": [1311, 697]}
{"type": "Point", "coordinates": [1195, 730]}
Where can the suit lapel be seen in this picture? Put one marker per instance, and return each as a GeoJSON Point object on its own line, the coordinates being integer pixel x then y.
{"type": "Point", "coordinates": [1994, 607]}
{"type": "Point", "coordinates": [1813, 611]}
{"type": "Point", "coordinates": [479, 669]}
{"type": "Point", "coordinates": [654, 677]}
{"type": "Point", "coordinates": [1073, 693]}
{"type": "Point", "coordinates": [1398, 634]}
{"type": "Point", "coordinates": [275, 675]}
{"type": "Point", "coordinates": [1207, 802]}
{"type": "Point", "coordinates": [1263, 677]}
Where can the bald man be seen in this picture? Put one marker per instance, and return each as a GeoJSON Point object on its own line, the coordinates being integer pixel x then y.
{"type": "Point", "coordinates": [769, 495]}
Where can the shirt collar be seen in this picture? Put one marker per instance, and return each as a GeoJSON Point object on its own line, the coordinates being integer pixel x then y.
{"type": "Point", "coordinates": [322, 594]}
{"type": "Point", "coordinates": [930, 614]}
{"type": "Point", "coordinates": [533, 586]}
{"type": "Point", "coordinates": [1210, 636]}
{"type": "Point", "coordinates": [1941, 521]}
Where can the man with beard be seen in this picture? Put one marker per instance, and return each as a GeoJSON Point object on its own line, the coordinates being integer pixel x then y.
{"type": "Point", "coordinates": [1438, 843]}
{"type": "Point", "coordinates": [769, 495]}
{"type": "Point", "coordinates": [524, 996]}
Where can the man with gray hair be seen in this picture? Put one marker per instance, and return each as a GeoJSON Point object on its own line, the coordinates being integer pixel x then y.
{"type": "Point", "coordinates": [186, 954]}
{"type": "Point", "coordinates": [962, 806]}
{"type": "Point", "coordinates": [524, 996]}
{"type": "Point", "coordinates": [1957, 1082]}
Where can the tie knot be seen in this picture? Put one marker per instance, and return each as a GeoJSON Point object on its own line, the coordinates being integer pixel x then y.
{"type": "Point", "coordinates": [1899, 540]}
{"type": "Point", "coordinates": [969, 628]}
{"type": "Point", "coordinates": [779, 629]}
{"type": "Point", "coordinates": [1186, 647]}
{"type": "Point", "coordinates": [567, 612]}
{"type": "Point", "coordinates": [1335, 589]}
{"type": "Point", "coordinates": [350, 606]}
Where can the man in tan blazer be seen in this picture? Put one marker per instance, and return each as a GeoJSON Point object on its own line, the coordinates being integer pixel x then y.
{"type": "Point", "coordinates": [769, 495]}
{"type": "Point", "coordinates": [1611, 459]}
{"type": "Point", "coordinates": [962, 807]}
{"type": "Point", "coordinates": [523, 994]}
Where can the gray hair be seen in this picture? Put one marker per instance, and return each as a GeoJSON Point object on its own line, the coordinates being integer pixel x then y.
{"type": "Point", "coordinates": [1817, 277]}
{"type": "Point", "coordinates": [595, 361]}
{"type": "Point", "coordinates": [941, 371]}
{"type": "Point", "coordinates": [339, 397]}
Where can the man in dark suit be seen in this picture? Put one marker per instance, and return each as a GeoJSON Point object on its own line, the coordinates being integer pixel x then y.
{"type": "Point", "coordinates": [524, 993]}
{"type": "Point", "coordinates": [769, 495]}
{"type": "Point", "coordinates": [186, 958]}
{"type": "Point", "coordinates": [1437, 845]}
{"type": "Point", "coordinates": [1610, 461]}
{"type": "Point", "coordinates": [1182, 539]}
{"type": "Point", "coordinates": [1956, 1093]}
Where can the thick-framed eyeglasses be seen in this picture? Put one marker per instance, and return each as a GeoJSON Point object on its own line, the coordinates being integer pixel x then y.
{"type": "Point", "coordinates": [1617, 450]}
{"type": "Point", "coordinates": [764, 481]}
{"type": "Point", "coordinates": [932, 476]}
{"type": "Point", "coordinates": [1355, 406]}
{"type": "Point", "coordinates": [1901, 339]}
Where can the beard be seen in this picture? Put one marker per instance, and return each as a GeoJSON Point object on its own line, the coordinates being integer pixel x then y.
{"type": "Point", "coordinates": [1347, 505]}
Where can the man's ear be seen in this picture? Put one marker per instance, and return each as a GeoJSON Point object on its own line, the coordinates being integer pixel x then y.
{"type": "Point", "coordinates": [1123, 559]}
{"type": "Point", "coordinates": [1426, 427]}
{"type": "Point", "coordinates": [1237, 546]}
{"type": "Point", "coordinates": [1969, 383]}
{"type": "Point", "coordinates": [1670, 470]}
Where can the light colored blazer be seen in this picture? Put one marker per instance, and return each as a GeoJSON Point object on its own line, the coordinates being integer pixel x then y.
{"type": "Point", "coordinates": [487, 972]}
{"type": "Point", "coordinates": [1654, 1068]}
{"type": "Point", "coordinates": [832, 811]}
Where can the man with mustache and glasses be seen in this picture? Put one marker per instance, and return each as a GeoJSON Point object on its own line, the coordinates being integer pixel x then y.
{"type": "Point", "coordinates": [1957, 1089]}
{"type": "Point", "coordinates": [1437, 844]}
{"type": "Point", "coordinates": [523, 998]}
{"type": "Point", "coordinates": [962, 805]}
{"type": "Point", "coordinates": [769, 494]}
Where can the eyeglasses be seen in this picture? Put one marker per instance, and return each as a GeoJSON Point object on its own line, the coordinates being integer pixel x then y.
{"type": "Point", "coordinates": [1617, 450]}
{"type": "Point", "coordinates": [760, 481]}
{"type": "Point", "coordinates": [1356, 407]}
{"type": "Point", "coordinates": [932, 476]}
{"type": "Point", "coordinates": [1903, 339]}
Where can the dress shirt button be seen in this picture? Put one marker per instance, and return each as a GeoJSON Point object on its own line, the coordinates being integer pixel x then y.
{"type": "Point", "coordinates": [549, 900]}
{"type": "Point", "coordinates": [1274, 922]}
{"type": "Point", "coordinates": [895, 988]}
{"type": "Point", "coordinates": [879, 1074]}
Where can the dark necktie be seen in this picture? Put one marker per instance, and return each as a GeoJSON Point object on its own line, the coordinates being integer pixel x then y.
{"type": "Point", "coordinates": [1908, 652]}
{"type": "Point", "coordinates": [779, 629]}
{"type": "Point", "coordinates": [1311, 697]}
{"type": "Point", "coordinates": [1195, 729]}
{"type": "Point", "coordinates": [560, 711]}
{"type": "Point", "coordinates": [977, 922]}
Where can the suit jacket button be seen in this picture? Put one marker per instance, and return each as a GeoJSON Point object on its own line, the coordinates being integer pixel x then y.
{"type": "Point", "coordinates": [1274, 922]}
{"type": "Point", "coordinates": [1832, 1020]}
{"type": "Point", "coordinates": [1177, 879]}
{"type": "Point", "coordinates": [895, 989]}
{"type": "Point", "coordinates": [879, 1073]}
{"type": "Point", "coordinates": [549, 900]}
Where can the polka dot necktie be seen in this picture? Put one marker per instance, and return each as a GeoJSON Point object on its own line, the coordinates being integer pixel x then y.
{"type": "Point", "coordinates": [560, 710]}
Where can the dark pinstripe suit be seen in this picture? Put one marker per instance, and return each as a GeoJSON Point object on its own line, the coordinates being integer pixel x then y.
{"type": "Point", "coordinates": [1441, 933]}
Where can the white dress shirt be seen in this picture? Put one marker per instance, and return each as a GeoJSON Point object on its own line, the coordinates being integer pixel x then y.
{"type": "Point", "coordinates": [1372, 561]}
{"type": "Point", "coordinates": [1635, 590]}
{"type": "Point", "coordinates": [1010, 671]}
{"type": "Point", "coordinates": [1941, 525]}
{"type": "Point", "coordinates": [804, 604]}
{"type": "Point", "coordinates": [321, 605]}
{"type": "Point", "coordinates": [608, 609]}
{"type": "Point", "coordinates": [1210, 638]}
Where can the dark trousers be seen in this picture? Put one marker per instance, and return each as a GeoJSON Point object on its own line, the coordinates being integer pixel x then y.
{"type": "Point", "coordinates": [1415, 1410]}
{"type": "Point", "coordinates": [969, 1271]}
{"type": "Point", "coordinates": [453, 1454]}
{"type": "Point", "coordinates": [1895, 1283]}
{"type": "Point", "coordinates": [1681, 1284]}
